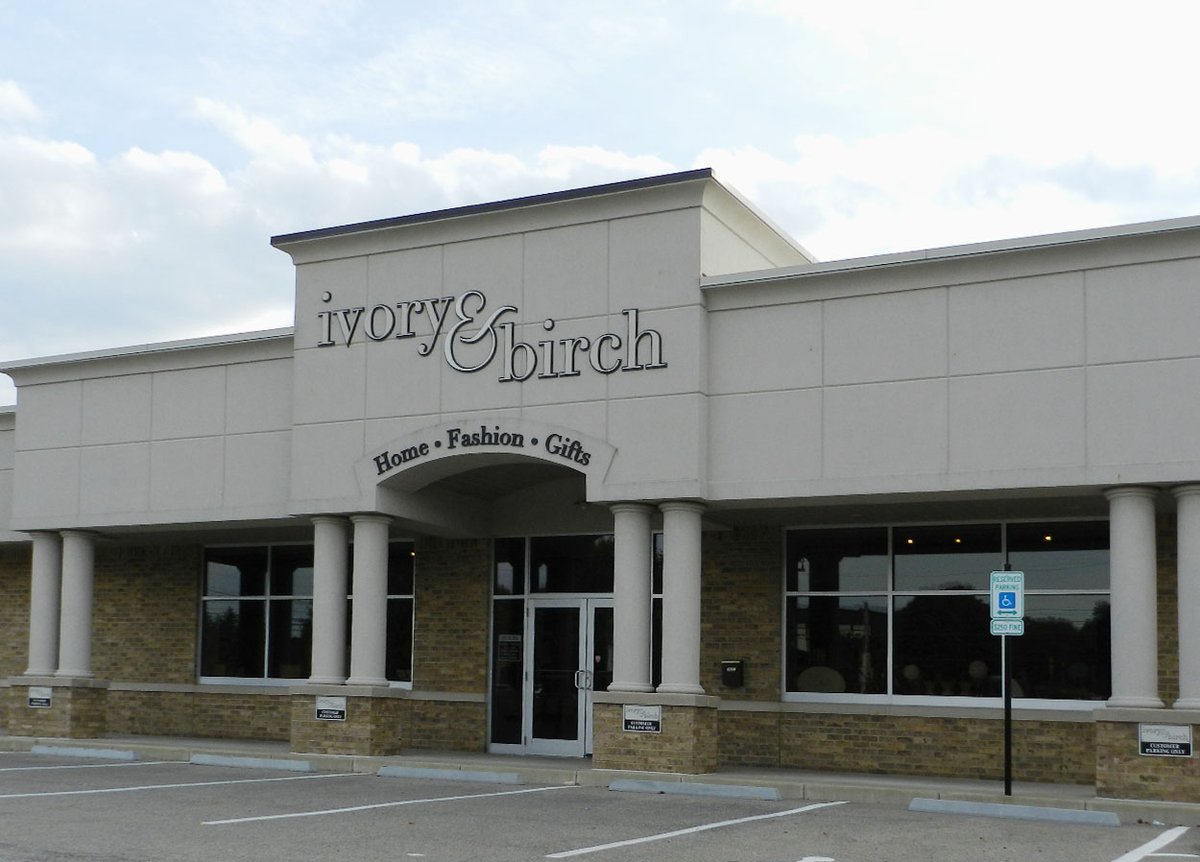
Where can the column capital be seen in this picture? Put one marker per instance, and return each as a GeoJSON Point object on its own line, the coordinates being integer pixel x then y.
{"type": "Point", "coordinates": [1190, 490]}
{"type": "Point", "coordinates": [371, 518]}
{"type": "Point", "coordinates": [634, 508]}
{"type": "Point", "coordinates": [682, 506]}
{"type": "Point", "coordinates": [340, 520]}
{"type": "Point", "coordinates": [1145, 492]}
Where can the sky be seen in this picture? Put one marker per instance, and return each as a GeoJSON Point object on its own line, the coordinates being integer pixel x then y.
{"type": "Point", "coordinates": [149, 150]}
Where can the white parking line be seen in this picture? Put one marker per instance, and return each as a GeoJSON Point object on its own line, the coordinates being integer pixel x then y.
{"type": "Point", "coordinates": [662, 836]}
{"type": "Point", "coordinates": [173, 786]}
{"type": "Point", "coordinates": [1149, 847]}
{"type": "Point", "coordinates": [87, 766]}
{"type": "Point", "coordinates": [381, 805]}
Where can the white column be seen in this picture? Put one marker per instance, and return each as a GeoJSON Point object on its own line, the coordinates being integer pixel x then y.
{"type": "Point", "coordinates": [368, 635]}
{"type": "Point", "coordinates": [681, 598]}
{"type": "Point", "coordinates": [1134, 564]}
{"type": "Point", "coordinates": [45, 590]}
{"type": "Point", "coordinates": [1187, 531]}
{"type": "Point", "coordinates": [632, 574]}
{"type": "Point", "coordinates": [75, 627]}
{"type": "Point", "coordinates": [331, 547]}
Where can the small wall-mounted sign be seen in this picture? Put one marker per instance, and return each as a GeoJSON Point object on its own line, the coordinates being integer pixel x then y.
{"type": "Point", "coordinates": [40, 697]}
{"type": "Point", "coordinates": [638, 718]}
{"type": "Point", "coordinates": [331, 708]}
{"type": "Point", "coordinates": [1165, 740]}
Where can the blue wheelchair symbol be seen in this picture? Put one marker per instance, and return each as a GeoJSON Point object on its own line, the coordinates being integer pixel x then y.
{"type": "Point", "coordinates": [1006, 602]}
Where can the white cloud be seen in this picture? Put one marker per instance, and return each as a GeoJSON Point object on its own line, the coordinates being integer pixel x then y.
{"type": "Point", "coordinates": [15, 105]}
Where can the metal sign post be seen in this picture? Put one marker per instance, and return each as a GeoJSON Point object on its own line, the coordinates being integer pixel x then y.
{"type": "Point", "coordinates": [1008, 620]}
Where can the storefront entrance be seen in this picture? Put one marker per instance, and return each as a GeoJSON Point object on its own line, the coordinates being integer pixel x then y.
{"type": "Point", "coordinates": [570, 657]}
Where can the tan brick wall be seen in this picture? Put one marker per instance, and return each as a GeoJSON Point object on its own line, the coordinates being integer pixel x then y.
{"type": "Point", "coordinates": [453, 608]}
{"type": "Point", "coordinates": [146, 613]}
{"type": "Point", "coordinates": [447, 725]}
{"type": "Point", "coordinates": [687, 744]}
{"type": "Point", "coordinates": [1123, 773]}
{"type": "Point", "coordinates": [75, 713]}
{"type": "Point", "coordinates": [373, 726]}
{"type": "Point", "coordinates": [221, 715]}
{"type": "Point", "coordinates": [951, 747]}
{"type": "Point", "coordinates": [1168, 614]}
{"type": "Point", "coordinates": [740, 610]}
{"type": "Point", "coordinates": [748, 738]}
{"type": "Point", "coordinates": [14, 609]}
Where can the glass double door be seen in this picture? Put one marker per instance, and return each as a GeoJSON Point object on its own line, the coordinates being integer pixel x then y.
{"type": "Point", "coordinates": [570, 656]}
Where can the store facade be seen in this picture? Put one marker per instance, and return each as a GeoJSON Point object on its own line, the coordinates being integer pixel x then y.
{"type": "Point", "coordinates": [623, 472]}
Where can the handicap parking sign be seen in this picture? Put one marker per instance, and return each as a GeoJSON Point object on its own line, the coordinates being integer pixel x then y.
{"type": "Point", "coordinates": [1008, 595]}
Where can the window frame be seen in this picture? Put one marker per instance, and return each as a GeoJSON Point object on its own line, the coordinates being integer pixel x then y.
{"type": "Point", "coordinates": [889, 594]}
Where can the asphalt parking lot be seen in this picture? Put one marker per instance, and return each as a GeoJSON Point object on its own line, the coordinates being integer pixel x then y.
{"type": "Point", "coordinates": [55, 809]}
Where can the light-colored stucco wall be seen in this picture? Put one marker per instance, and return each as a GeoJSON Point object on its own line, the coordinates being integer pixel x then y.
{"type": "Point", "coordinates": [1051, 367]}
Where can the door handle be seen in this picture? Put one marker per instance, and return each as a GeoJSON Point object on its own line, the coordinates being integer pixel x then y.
{"type": "Point", "coordinates": [583, 679]}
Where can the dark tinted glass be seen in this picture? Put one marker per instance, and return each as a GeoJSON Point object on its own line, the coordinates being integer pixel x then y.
{"type": "Point", "coordinates": [509, 577]}
{"type": "Point", "coordinates": [837, 560]}
{"type": "Point", "coordinates": [399, 640]}
{"type": "Point", "coordinates": [230, 572]}
{"type": "Point", "coordinates": [837, 644]}
{"type": "Point", "coordinates": [571, 564]}
{"type": "Point", "coordinates": [290, 649]}
{"type": "Point", "coordinates": [1060, 556]}
{"type": "Point", "coordinates": [233, 638]}
{"type": "Point", "coordinates": [1065, 652]}
{"type": "Point", "coordinates": [946, 558]}
{"type": "Point", "coordinates": [944, 647]}
{"type": "Point", "coordinates": [401, 565]}
{"type": "Point", "coordinates": [291, 570]}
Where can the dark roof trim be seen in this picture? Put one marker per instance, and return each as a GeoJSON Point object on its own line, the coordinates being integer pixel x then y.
{"type": "Point", "coordinates": [496, 206]}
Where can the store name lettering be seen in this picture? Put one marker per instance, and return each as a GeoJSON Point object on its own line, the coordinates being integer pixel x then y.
{"type": "Point", "coordinates": [558, 445]}
{"type": "Point", "coordinates": [472, 340]}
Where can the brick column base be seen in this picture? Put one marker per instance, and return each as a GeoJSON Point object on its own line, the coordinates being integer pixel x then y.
{"type": "Point", "coordinates": [1122, 772]}
{"type": "Point", "coordinates": [686, 743]}
{"type": "Point", "coordinates": [78, 708]}
{"type": "Point", "coordinates": [375, 721]}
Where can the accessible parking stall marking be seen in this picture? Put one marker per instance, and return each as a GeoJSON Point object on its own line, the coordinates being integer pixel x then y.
{"type": "Point", "coordinates": [691, 830]}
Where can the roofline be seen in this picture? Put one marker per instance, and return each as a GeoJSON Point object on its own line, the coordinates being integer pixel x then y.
{"type": "Point", "coordinates": [495, 206]}
{"type": "Point", "coordinates": [145, 349]}
{"type": "Point", "coordinates": [955, 252]}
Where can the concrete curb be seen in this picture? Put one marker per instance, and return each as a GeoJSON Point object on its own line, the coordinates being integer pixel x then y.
{"type": "Point", "coordinates": [251, 762]}
{"type": "Point", "coordinates": [1016, 812]}
{"type": "Point", "coordinates": [97, 753]}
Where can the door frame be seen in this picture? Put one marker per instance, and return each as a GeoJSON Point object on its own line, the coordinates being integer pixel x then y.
{"type": "Point", "coordinates": [581, 746]}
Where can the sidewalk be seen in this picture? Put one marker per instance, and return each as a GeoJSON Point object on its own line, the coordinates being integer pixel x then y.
{"type": "Point", "coordinates": [790, 783]}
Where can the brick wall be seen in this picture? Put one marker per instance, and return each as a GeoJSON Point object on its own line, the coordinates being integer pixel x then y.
{"type": "Point", "coordinates": [373, 726]}
{"type": "Point", "coordinates": [740, 610]}
{"type": "Point", "coordinates": [748, 738]}
{"type": "Point", "coordinates": [687, 744]}
{"type": "Point", "coordinates": [14, 609]}
{"type": "Point", "coordinates": [453, 607]}
{"type": "Point", "coordinates": [1168, 614]}
{"type": "Point", "coordinates": [1051, 751]}
{"type": "Point", "coordinates": [219, 715]}
{"type": "Point", "coordinates": [447, 725]}
{"type": "Point", "coordinates": [146, 613]}
{"type": "Point", "coordinates": [1124, 773]}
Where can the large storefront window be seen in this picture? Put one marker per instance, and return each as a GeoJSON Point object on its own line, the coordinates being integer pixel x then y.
{"type": "Point", "coordinates": [888, 611]}
{"type": "Point", "coordinates": [256, 612]}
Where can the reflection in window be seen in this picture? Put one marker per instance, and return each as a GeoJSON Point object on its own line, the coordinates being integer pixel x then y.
{"type": "Point", "coordinates": [922, 592]}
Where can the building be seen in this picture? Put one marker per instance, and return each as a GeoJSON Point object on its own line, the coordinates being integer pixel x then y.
{"type": "Point", "coordinates": [622, 471]}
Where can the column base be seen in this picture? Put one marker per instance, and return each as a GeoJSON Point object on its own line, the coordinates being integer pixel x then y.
{"type": "Point", "coordinates": [67, 708]}
{"type": "Point", "coordinates": [1134, 703]}
{"type": "Point", "coordinates": [342, 720]}
{"type": "Point", "coordinates": [1186, 703]}
{"type": "Point", "coordinates": [684, 741]}
{"type": "Point", "coordinates": [640, 687]}
{"type": "Point", "coordinates": [1123, 771]}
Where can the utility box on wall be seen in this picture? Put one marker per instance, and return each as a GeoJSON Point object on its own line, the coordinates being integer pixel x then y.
{"type": "Point", "coordinates": [733, 673]}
